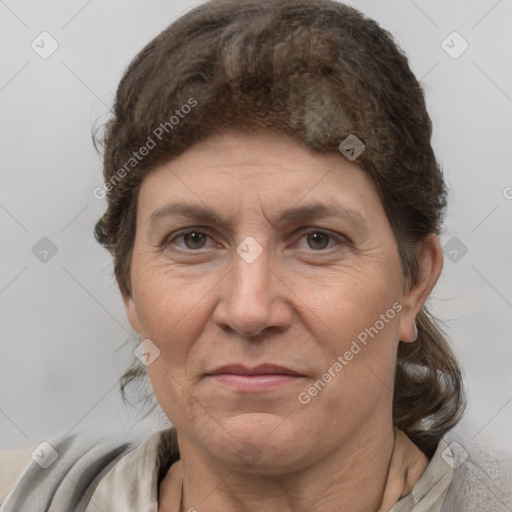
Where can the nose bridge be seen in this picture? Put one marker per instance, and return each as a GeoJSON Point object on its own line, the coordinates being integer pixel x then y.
{"type": "Point", "coordinates": [251, 272]}
{"type": "Point", "coordinates": [249, 302]}
{"type": "Point", "coordinates": [251, 277]}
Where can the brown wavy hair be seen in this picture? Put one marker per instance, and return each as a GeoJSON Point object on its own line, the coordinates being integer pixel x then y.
{"type": "Point", "coordinates": [318, 71]}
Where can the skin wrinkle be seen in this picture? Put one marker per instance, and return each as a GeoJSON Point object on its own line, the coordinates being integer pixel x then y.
{"type": "Point", "coordinates": [257, 312]}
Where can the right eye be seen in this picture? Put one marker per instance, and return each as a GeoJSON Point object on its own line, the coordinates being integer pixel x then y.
{"type": "Point", "coordinates": [192, 239]}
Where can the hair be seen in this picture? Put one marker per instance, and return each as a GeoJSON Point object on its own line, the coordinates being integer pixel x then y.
{"type": "Point", "coordinates": [318, 71]}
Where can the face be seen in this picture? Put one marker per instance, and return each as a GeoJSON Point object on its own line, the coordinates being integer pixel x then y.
{"type": "Point", "coordinates": [268, 278]}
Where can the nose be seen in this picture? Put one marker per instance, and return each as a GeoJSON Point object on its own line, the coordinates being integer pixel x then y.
{"type": "Point", "coordinates": [254, 299]}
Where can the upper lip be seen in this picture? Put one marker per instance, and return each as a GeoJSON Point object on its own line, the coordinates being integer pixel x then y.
{"type": "Point", "coordinates": [262, 369]}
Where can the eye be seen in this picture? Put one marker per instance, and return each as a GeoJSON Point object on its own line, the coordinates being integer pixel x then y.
{"type": "Point", "coordinates": [192, 240]}
{"type": "Point", "coordinates": [318, 240]}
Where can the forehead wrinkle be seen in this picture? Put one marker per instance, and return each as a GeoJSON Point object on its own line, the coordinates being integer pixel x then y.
{"type": "Point", "coordinates": [201, 213]}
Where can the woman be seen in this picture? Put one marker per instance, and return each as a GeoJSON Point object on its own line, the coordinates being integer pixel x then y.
{"type": "Point", "coordinates": [274, 206]}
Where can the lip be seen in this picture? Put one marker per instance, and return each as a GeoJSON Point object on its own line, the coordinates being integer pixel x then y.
{"type": "Point", "coordinates": [262, 369]}
{"type": "Point", "coordinates": [263, 377]}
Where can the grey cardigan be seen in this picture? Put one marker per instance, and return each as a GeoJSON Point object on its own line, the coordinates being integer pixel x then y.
{"type": "Point", "coordinates": [461, 477]}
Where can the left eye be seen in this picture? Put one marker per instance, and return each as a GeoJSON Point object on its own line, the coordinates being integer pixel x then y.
{"type": "Point", "coordinates": [319, 240]}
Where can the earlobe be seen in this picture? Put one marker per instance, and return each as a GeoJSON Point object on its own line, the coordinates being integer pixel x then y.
{"type": "Point", "coordinates": [131, 312]}
{"type": "Point", "coordinates": [415, 337]}
{"type": "Point", "coordinates": [430, 265]}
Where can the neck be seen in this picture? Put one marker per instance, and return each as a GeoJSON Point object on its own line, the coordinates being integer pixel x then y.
{"type": "Point", "coordinates": [369, 473]}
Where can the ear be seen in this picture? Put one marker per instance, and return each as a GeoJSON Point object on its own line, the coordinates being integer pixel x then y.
{"type": "Point", "coordinates": [131, 311]}
{"type": "Point", "coordinates": [430, 265]}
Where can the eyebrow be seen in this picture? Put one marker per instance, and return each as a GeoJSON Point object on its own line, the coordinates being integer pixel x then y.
{"type": "Point", "coordinates": [314, 210]}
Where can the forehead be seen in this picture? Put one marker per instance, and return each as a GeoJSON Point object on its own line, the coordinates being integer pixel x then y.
{"type": "Point", "coordinates": [237, 171]}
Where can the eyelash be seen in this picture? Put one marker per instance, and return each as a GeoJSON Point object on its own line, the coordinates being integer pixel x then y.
{"type": "Point", "coordinates": [340, 239]}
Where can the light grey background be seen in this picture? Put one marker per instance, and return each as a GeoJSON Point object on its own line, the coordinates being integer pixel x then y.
{"type": "Point", "coordinates": [63, 321]}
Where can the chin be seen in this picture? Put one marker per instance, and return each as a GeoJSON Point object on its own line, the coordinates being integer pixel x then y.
{"type": "Point", "coordinates": [256, 441]}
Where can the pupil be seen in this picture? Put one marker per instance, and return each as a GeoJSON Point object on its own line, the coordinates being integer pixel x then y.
{"type": "Point", "coordinates": [194, 238]}
{"type": "Point", "coordinates": [315, 237]}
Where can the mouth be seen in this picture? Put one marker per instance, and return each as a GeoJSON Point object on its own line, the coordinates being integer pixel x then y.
{"type": "Point", "coordinates": [262, 369]}
{"type": "Point", "coordinates": [264, 377]}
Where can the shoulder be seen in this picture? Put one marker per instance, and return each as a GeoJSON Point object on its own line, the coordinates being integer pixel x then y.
{"type": "Point", "coordinates": [482, 476]}
{"type": "Point", "coordinates": [133, 482]}
{"type": "Point", "coordinates": [12, 463]}
{"type": "Point", "coordinates": [59, 471]}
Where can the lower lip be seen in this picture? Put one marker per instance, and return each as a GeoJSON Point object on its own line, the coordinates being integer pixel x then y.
{"type": "Point", "coordinates": [255, 382]}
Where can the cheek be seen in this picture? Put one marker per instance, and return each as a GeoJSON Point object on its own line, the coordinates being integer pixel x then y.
{"type": "Point", "coordinates": [356, 378]}
{"type": "Point", "coordinates": [359, 320]}
{"type": "Point", "coordinates": [352, 303]}
{"type": "Point", "coordinates": [172, 312]}
{"type": "Point", "coordinates": [171, 309]}
{"type": "Point", "coordinates": [174, 395]}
